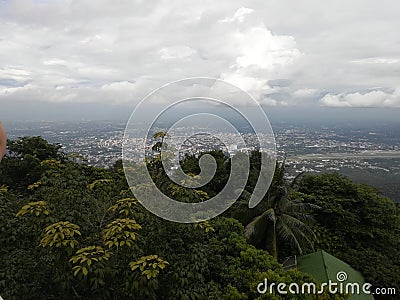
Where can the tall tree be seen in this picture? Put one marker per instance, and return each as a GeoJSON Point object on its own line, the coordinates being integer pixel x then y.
{"type": "Point", "coordinates": [22, 164]}
{"type": "Point", "coordinates": [280, 215]}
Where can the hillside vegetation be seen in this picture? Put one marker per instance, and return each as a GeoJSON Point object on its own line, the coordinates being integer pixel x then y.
{"type": "Point", "coordinates": [74, 231]}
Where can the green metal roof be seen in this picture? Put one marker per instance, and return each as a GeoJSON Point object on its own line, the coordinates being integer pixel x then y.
{"type": "Point", "coordinates": [324, 267]}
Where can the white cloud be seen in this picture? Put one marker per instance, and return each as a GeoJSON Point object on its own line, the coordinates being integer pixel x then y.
{"type": "Point", "coordinates": [268, 101]}
{"type": "Point", "coordinates": [377, 60]}
{"type": "Point", "coordinates": [94, 51]}
{"type": "Point", "coordinates": [120, 53]}
{"type": "Point", "coordinates": [54, 62]}
{"type": "Point", "coordinates": [14, 74]}
{"type": "Point", "coordinates": [304, 93]}
{"type": "Point", "coordinates": [118, 86]}
{"type": "Point", "coordinates": [254, 86]}
{"type": "Point", "coordinates": [176, 52]}
{"type": "Point", "coordinates": [33, 93]}
{"type": "Point", "coordinates": [260, 56]}
{"type": "Point", "coordinates": [239, 15]}
{"type": "Point", "coordinates": [371, 99]}
{"type": "Point", "coordinates": [261, 49]}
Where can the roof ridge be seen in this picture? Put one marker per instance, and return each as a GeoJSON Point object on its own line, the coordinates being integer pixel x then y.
{"type": "Point", "coordinates": [324, 262]}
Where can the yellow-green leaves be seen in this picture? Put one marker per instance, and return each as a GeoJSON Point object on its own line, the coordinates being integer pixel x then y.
{"type": "Point", "coordinates": [149, 265]}
{"type": "Point", "coordinates": [86, 257]}
{"type": "Point", "coordinates": [124, 206]}
{"type": "Point", "coordinates": [203, 196]}
{"type": "Point", "coordinates": [99, 181]}
{"type": "Point", "coordinates": [34, 185]}
{"type": "Point", "coordinates": [205, 226]}
{"type": "Point", "coordinates": [60, 234]}
{"type": "Point", "coordinates": [3, 189]}
{"type": "Point", "coordinates": [51, 163]}
{"type": "Point", "coordinates": [160, 135]}
{"type": "Point", "coordinates": [121, 232]}
{"type": "Point", "coordinates": [34, 208]}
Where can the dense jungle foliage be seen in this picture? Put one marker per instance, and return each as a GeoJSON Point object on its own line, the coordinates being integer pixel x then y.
{"type": "Point", "coordinates": [73, 231]}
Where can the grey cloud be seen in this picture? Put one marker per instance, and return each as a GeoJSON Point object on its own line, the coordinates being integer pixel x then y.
{"type": "Point", "coordinates": [280, 82]}
{"type": "Point", "coordinates": [98, 52]}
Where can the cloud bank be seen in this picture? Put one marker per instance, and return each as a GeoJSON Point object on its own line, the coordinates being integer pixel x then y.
{"type": "Point", "coordinates": [376, 98]}
{"type": "Point", "coordinates": [322, 54]}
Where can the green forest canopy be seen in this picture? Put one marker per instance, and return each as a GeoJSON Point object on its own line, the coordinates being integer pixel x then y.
{"type": "Point", "coordinates": [74, 231]}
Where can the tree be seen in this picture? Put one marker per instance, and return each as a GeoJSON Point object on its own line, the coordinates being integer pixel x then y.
{"type": "Point", "coordinates": [159, 138]}
{"type": "Point", "coordinates": [190, 165]}
{"type": "Point", "coordinates": [22, 165]}
{"type": "Point", "coordinates": [80, 233]}
{"type": "Point", "coordinates": [35, 146]}
{"type": "Point", "coordinates": [357, 225]}
{"type": "Point", "coordinates": [281, 215]}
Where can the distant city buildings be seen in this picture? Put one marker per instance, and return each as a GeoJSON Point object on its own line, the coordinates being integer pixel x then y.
{"type": "Point", "coordinates": [306, 149]}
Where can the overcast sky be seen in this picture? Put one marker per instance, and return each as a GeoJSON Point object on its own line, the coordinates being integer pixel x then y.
{"type": "Point", "coordinates": [283, 52]}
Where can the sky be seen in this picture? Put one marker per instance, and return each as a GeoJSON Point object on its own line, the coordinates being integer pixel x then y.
{"type": "Point", "coordinates": [96, 59]}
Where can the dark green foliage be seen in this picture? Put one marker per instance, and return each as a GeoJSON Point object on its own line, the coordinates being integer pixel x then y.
{"type": "Point", "coordinates": [190, 165]}
{"type": "Point", "coordinates": [85, 204]}
{"type": "Point", "coordinates": [281, 218]}
{"type": "Point", "coordinates": [35, 146]}
{"type": "Point", "coordinates": [21, 166]}
{"type": "Point", "coordinates": [210, 260]}
{"type": "Point", "coordinates": [214, 265]}
{"type": "Point", "coordinates": [358, 226]}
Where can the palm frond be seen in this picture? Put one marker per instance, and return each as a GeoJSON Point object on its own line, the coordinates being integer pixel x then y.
{"type": "Point", "coordinates": [295, 181]}
{"type": "Point", "coordinates": [297, 235]}
{"type": "Point", "coordinates": [259, 224]}
{"type": "Point", "coordinates": [298, 226]}
{"type": "Point", "coordinates": [245, 195]}
{"type": "Point", "coordinates": [250, 229]}
{"type": "Point", "coordinates": [299, 206]}
{"type": "Point", "coordinates": [287, 234]}
{"type": "Point", "coordinates": [282, 207]}
{"type": "Point", "coordinates": [304, 217]}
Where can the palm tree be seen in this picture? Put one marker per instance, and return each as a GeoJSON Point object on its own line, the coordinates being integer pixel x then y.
{"type": "Point", "coordinates": [280, 216]}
